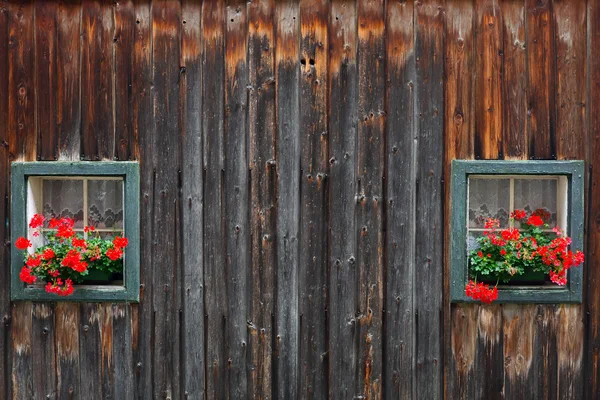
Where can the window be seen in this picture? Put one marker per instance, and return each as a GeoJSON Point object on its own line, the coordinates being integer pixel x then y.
{"type": "Point", "coordinates": [494, 189]}
{"type": "Point", "coordinates": [102, 194]}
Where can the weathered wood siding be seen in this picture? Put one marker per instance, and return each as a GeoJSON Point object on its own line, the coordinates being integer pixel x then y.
{"type": "Point", "coordinates": [294, 161]}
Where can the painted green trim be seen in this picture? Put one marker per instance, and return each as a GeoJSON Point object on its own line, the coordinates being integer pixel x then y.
{"type": "Point", "coordinates": [461, 169]}
{"type": "Point", "coordinates": [20, 172]}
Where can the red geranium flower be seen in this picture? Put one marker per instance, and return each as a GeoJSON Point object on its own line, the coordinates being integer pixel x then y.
{"type": "Point", "coordinates": [120, 242]}
{"type": "Point", "coordinates": [22, 243]}
{"type": "Point", "coordinates": [114, 254]}
{"type": "Point", "coordinates": [34, 261]}
{"type": "Point", "coordinates": [26, 276]}
{"type": "Point", "coordinates": [48, 254]}
{"type": "Point", "coordinates": [36, 221]}
{"type": "Point", "coordinates": [535, 220]}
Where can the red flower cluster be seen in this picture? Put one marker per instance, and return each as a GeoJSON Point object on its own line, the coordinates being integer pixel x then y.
{"type": "Point", "coordinates": [482, 292]}
{"type": "Point", "coordinates": [60, 288]}
{"type": "Point", "coordinates": [66, 256]}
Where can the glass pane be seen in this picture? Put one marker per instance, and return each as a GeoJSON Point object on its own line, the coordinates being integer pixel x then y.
{"type": "Point", "coordinates": [488, 198]}
{"type": "Point", "coordinates": [105, 203]}
{"type": "Point", "coordinates": [63, 198]}
{"type": "Point", "coordinates": [472, 241]}
{"type": "Point", "coordinates": [537, 196]}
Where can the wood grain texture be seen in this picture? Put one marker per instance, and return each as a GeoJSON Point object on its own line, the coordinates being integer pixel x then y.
{"type": "Point", "coordinates": [287, 318]}
{"type": "Point", "coordinates": [343, 329]}
{"type": "Point", "coordinates": [122, 358]}
{"type": "Point", "coordinates": [213, 115]}
{"type": "Point", "coordinates": [540, 75]}
{"type": "Point", "coordinates": [67, 351]}
{"type": "Point", "coordinates": [46, 45]}
{"type": "Point", "coordinates": [68, 71]}
{"type": "Point", "coordinates": [97, 81]}
{"type": "Point", "coordinates": [166, 293]}
{"type": "Point", "coordinates": [370, 174]}
{"type": "Point", "coordinates": [43, 351]}
{"type": "Point", "coordinates": [399, 332]}
{"type": "Point", "coordinates": [90, 350]}
{"type": "Point", "coordinates": [314, 141]}
{"type": "Point", "coordinates": [429, 225]}
{"type": "Point", "coordinates": [263, 195]}
{"type": "Point", "coordinates": [488, 94]}
{"type": "Point", "coordinates": [592, 303]}
{"type": "Point", "coordinates": [236, 196]}
{"type": "Point", "coordinates": [191, 201]}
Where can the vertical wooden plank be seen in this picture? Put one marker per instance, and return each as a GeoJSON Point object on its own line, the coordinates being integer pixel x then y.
{"type": "Point", "coordinates": [5, 311]}
{"type": "Point", "coordinates": [143, 126]}
{"type": "Point", "coordinates": [488, 96]}
{"type": "Point", "coordinates": [90, 350]}
{"type": "Point", "coordinates": [125, 136]}
{"type": "Point", "coordinates": [122, 343]}
{"type": "Point", "coordinates": [545, 353]}
{"type": "Point", "coordinates": [22, 374]}
{"type": "Point", "coordinates": [166, 296]}
{"type": "Point", "coordinates": [399, 332]}
{"type": "Point", "coordinates": [343, 276]}
{"type": "Point", "coordinates": [43, 351]}
{"type": "Point", "coordinates": [68, 74]}
{"type": "Point", "coordinates": [370, 175]}
{"type": "Point", "coordinates": [21, 82]}
{"type": "Point", "coordinates": [460, 323]}
{"type": "Point", "coordinates": [313, 198]}
{"type": "Point", "coordinates": [429, 229]}
{"type": "Point", "coordinates": [263, 186]}
{"type": "Point", "coordinates": [213, 62]}
{"type": "Point", "coordinates": [514, 95]}
{"type": "Point", "coordinates": [236, 195]}
{"type": "Point", "coordinates": [570, 35]}
{"type": "Point", "coordinates": [67, 351]}
{"type": "Point", "coordinates": [191, 194]}
{"type": "Point", "coordinates": [106, 350]}
{"type": "Point", "coordinates": [287, 19]}
{"type": "Point", "coordinates": [519, 334]}
{"type": "Point", "coordinates": [540, 76]}
{"type": "Point", "coordinates": [570, 23]}
{"type": "Point", "coordinates": [592, 298]}
{"type": "Point", "coordinates": [22, 146]}
{"type": "Point", "coordinates": [97, 81]}
{"type": "Point", "coordinates": [46, 79]}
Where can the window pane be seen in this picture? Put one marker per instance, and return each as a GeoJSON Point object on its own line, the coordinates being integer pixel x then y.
{"type": "Point", "coordinates": [63, 198]}
{"type": "Point", "coordinates": [488, 198]}
{"type": "Point", "coordinates": [105, 203]}
{"type": "Point", "coordinates": [537, 194]}
{"type": "Point", "coordinates": [472, 241]}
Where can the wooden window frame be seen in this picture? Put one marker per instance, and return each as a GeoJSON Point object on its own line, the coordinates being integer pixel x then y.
{"type": "Point", "coordinates": [129, 171]}
{"type": "Point", "coordinates": [461, 170]}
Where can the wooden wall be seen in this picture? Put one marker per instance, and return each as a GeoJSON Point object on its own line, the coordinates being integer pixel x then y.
{"type": "Point", "coordinates": [294, 163]}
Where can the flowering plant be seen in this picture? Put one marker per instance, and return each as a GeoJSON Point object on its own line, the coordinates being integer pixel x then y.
{"type": "Point", "coordinates": [506, 254]}
{"type": "Point", "coordinates": [66, 257]}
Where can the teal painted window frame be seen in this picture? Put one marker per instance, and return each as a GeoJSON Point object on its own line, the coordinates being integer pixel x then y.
{"type": "Point", "coordinates": [461, 169]}
{"type": "Point", "coordinates": [20, 173]}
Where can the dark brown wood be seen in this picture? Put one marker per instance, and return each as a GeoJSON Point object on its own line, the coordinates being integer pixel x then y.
{"type": "Point", "coordinates": [22, 363]}
{"type": "Point", "coordinates": [514, 91]}
{"type": "Point", "coordinates": [370, 174]}
{"type": "Point", "coordinates": [97, 81]}
{"type": "Point", "coordinates": [287, 317]}
{"type": "Point", "coordinates": [105, 323]}
{"type": "Point", "coordinates": [429, 218]}
{"type": "Point", "coordinates": [143, 125]}
{"type": "Point", "coordinates": [68, 71]}
{"type": "Point", "coordinates": [122, 358]}
{"type": "Point", "coordinates": [540, 77]}
{"type": "Point", "coordinates": [591, 364]}
{"type": "Point", "coordinates": [342, 310]}
{"type": "Point", "coordinates": [399, 330]}
{"type": "Point", "coordinates": [5, 306]}
{"type": "Point", "coordinates": [263, 186]}
{"type": "Point", "coordinates": [488, 94]}
{"type": "Point", "coordinates": [236, 196]}
{"type": "Point", "coordinates": [126, 138]}
{"type": "Point", "coordinates": [67, 351]}
{"type": "Point", "coordinates": [314, 141]}
{"type": "Point", "coordinates": [213, 115]}
{"type": "Point", "coordinates": [166, 293]}
{"type": "Point", "coordinates": [191, 201]}
{"type": "Point", "coordinates": [90, 351]}
{"type": "Point", "coordinates": [43, 351]}
{"type": "Point", "coordinates": [46, 79]}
